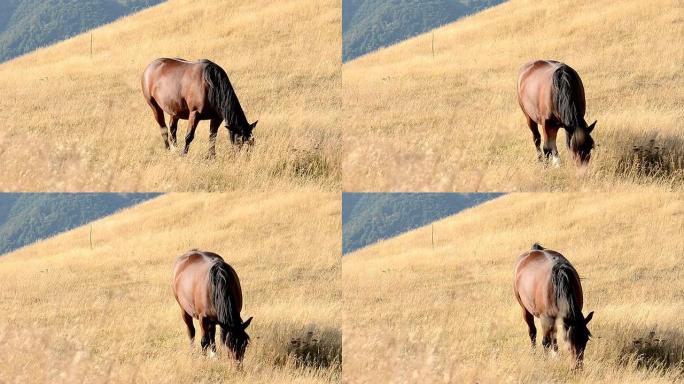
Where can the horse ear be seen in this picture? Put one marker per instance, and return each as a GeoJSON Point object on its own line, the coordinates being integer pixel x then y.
{"type": "Point", "coordinates": [591, 127]}
{"type": "Point", "coordinates": [254, 124]}
{"type": "Point", "coordinates": [246, 323]}
{"type": "Point", "coordinates": [588, 318]}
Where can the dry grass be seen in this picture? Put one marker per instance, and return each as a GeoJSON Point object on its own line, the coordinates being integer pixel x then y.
{"type": "Point", "coordinates": [451, 123]}
{"type": "Point", "coordinates": [74, 314]}
{"type": "Point", "coordinates": [448, 315]}
{"type": "Point", "coordinates": [75, 122]}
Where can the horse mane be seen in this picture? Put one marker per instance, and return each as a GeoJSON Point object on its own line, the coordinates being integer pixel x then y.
{"type": "Point", "coordinates": [222, 96]}
{"type": "Point", "coordinates": [537, 247]}
{"type": "Point", "coordinates": [562, 276]}
{"type": "Point", "coordinates": [565, 95]}
{"type": "Point", "coordinates": [223, 298]}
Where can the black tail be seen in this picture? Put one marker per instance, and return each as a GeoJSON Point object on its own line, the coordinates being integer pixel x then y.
{"type": "Point", "coordinates": [222, 96]}
{"type": "Point", "coordinates": [537, 247]}
{"type": "Point", "coordinates": [223, 300]}
{"type": "Point", "coordinates": [566, 95]}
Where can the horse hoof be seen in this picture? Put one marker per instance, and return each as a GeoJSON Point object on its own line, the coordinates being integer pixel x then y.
{"type": "Point", "coordinates": [212, 355]}
{"type": "Point", "coordinates": [556, 162]}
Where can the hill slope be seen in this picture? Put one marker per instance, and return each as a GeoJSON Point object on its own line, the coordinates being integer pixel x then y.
{"type": "Point", "coordinates": [108, 314]}
{"type": "Point", "coordinates": [452, 122]}
{"type": "Point", "coordinates": [81, 123]}
{"type": "Point", "coordinates": [449, 315]}
{"type": "Point", "coordinates": [377, 216]}
{"type": "Point", "coordinates": [29, 24]}
{"type": "Point", "coordinates": [29, 217]}
{"type": "Point", "coordinates": [369, 25]}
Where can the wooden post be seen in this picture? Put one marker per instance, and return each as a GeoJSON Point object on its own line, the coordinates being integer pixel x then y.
{"type": "Point", "coordinates": [433, 45]}
{"type": "Point", "coordinates": [433, 237]}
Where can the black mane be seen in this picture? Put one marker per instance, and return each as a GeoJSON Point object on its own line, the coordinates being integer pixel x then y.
{"type": "Point", "coordinates": [223, 98]}
{"type": "Point", "coordinates": [566, 93]}
{"type": "Point", "coordinates": [223, 298]}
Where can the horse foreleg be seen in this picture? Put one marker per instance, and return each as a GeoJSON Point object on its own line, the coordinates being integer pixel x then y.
{"type": "Point", "coordinates": [213, 130]}
{"type": "Point", "coordinates": [173, 128]}
{"type": "Point", "coordinates": [548, 329]}
{"type": "Point", "coordinates": [191, 327]}
{"type": "Point", "coordinates": [550, 148]}
{"type": "Point", "coordinates": [529, 319]}
{"type": "Point", "coordinates": [192, 125]}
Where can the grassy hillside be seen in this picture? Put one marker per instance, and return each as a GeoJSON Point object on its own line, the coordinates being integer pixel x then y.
{"type": "Point", "coordinates": [412, 314]}
{"type": "Point", "coordinates": [369, 25]}
{"type": "Point", "coordinates": [79, 122]}
{"type": "Point", "coordinates": [451, 122]}
{"type": "Point", "coordinates": [28, 217]}
{"type": "Point", "coordinates": [107, 314]}
{"type": "Point", "coordinates": [29, 24]}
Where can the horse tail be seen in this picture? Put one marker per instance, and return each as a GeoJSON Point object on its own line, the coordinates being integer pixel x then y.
{"type": "Point", "coordinates": [537, 247]}
{"type": "Point", "coordinates": [221, 295]}
{"type": "Point", "coordinates": [564, 284]}
{"type": "Point", "coordinates": [566, 95]}
{"type": "Point", "coordinates": [221, 95]}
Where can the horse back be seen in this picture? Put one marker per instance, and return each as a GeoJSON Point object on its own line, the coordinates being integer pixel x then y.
{"type": "Point", "coordinates": [534, 89]}
{"type": "Point", "coordinates": [176, 85]}
{"type": "Point", "coordinates": [533, 286]}
{"type": "Point", "coordinates": [191, 284]}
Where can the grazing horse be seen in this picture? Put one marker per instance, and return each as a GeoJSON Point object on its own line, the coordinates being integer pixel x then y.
{"type": "Point", "coordinates": [551, 94]}
{"type": "Point", "coordinates": [208, 289]}
{"type": "Point", "coordinates": [548, 287]}
{"type": "Point", "coordinates": [194, 91]}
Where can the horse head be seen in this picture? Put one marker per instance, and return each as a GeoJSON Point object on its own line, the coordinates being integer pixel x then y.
{"type": "Point", "coordinates": [577, 334]}
{"type": "Point", "coordinates": [242, 136]}
{"type": "Point", "coordinates": [581, 143]}
{"type": "Point", "coordinates": [237, 339]}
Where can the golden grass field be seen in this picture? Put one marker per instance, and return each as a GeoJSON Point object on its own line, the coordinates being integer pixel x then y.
{"type": "Point", "coordinates": [74, 314]}
{"type": "Point", "coordinates": [76, 122]}
{"type": "Point", "coordinates": [414, 314]}
{"type": "Point", "coordinates": [414, 122]}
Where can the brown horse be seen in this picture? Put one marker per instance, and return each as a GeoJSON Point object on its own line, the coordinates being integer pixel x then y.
{"type": "Point", "coordinates": [194, 91]}
{"type": "Point", "coordinates": [208, 289]}
{"type": "Point", "coordinates": [548, 287]}
{"type": "Point", "coordinates": [551, 94]}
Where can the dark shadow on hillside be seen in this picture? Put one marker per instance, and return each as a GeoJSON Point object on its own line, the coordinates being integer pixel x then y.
{"type": "Point", "coordinates": [312, 347]}
{"type": "Point", "coordinates": [656, 349]}
{"type": "Point", "coordinates": [650, 155]}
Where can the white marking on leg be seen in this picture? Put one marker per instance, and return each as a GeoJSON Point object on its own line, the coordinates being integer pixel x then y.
{"type": "Point", "coordinates": [555, 159]}
{"type": "Point", "coordinates": [212, 355]}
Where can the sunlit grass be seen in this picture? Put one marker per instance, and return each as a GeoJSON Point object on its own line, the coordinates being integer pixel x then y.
{"type": "Point", "coordinates": [452, 122]}
{"type": "Point", "coordinates": [76, 122]}
{"type": "Point", "coordinates": [107, 314]}
{"type": "Point", "coordinates": [418, 314]}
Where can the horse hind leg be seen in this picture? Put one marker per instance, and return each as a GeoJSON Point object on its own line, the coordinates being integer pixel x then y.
{"type": "Point", "coordinates": [159, 117]}
{"type": "Point", "coordinates": [191, 327]}
{"type": "Point", "coordinates": [532, 330]}
{"type": "Point", "coordinates": [536, 137]}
